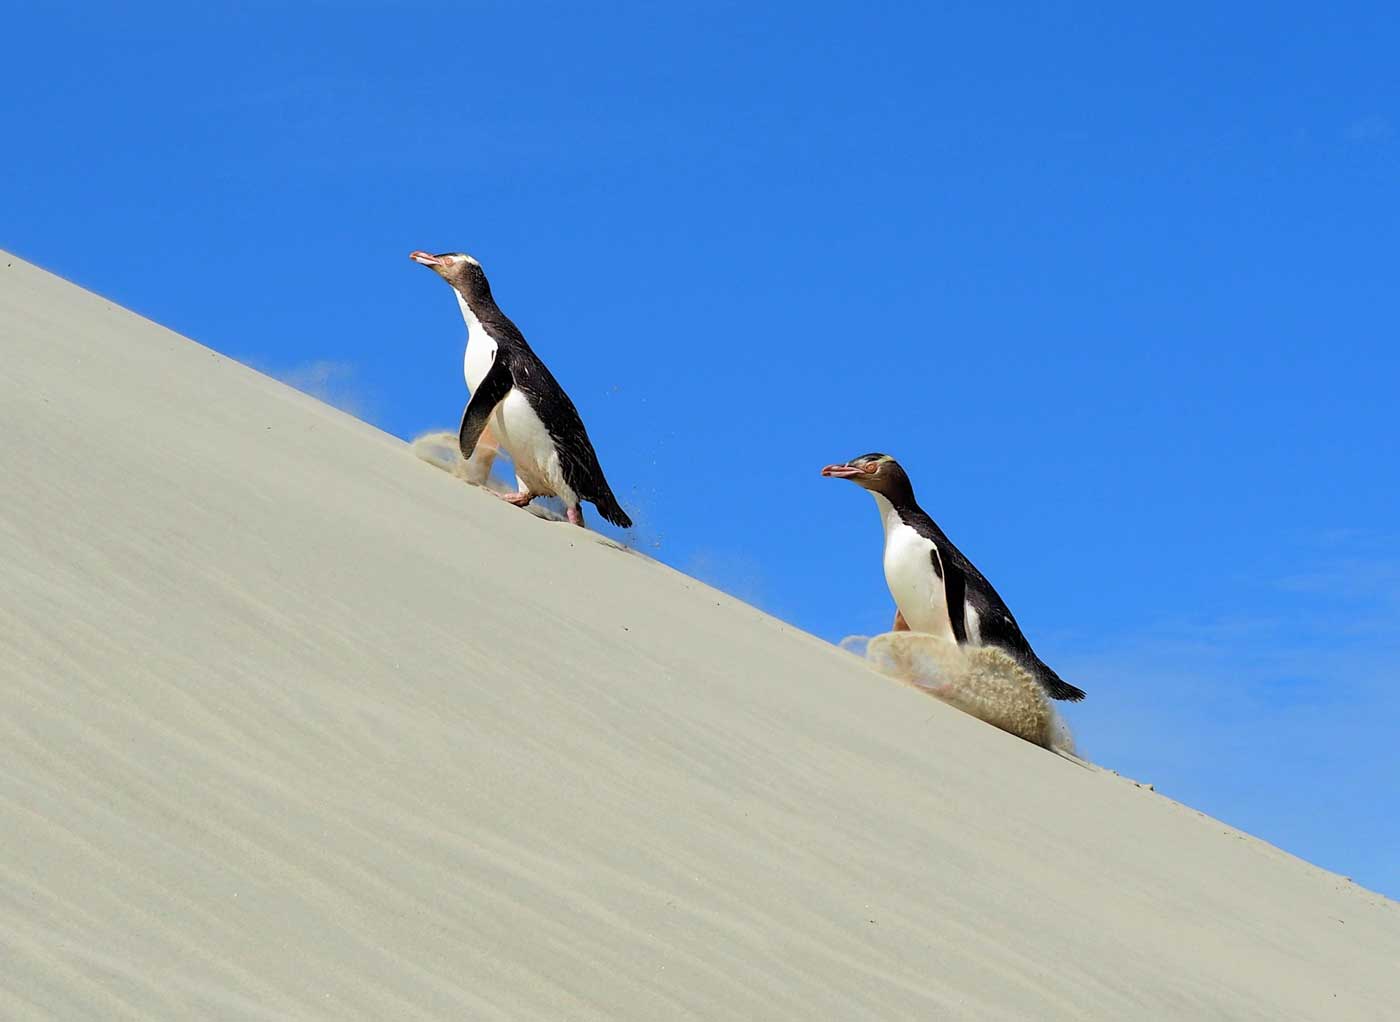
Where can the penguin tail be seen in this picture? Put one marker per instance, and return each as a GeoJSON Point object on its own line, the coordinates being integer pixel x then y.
{"type": "Point", "coordinates": [1055, 686]}
{"type": "Point", "coordinates": [611, 510]}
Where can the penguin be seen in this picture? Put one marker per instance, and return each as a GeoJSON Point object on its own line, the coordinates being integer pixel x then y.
{"type": "Point", "coordinates": [517, 404]}
{"type": "Point", "coordinates": [935, 588]}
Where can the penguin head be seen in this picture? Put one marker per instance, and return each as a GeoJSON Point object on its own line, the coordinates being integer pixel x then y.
{"type": "Point", "coordinates": [457, 268]}
{"type": "Point", "coordinates": [878, 473]}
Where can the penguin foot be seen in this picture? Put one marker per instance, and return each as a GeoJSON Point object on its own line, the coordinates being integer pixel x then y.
{"type": "Point", "coordinates": [575, 515]}
{"type": "Point", "coordinates": [900, 625]}
{"type": "Point", "coordinates": [520, 499]}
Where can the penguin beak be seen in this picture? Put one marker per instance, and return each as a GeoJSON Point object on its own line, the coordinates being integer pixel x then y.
{"type": "Point", "coordinates": [841, 472]}
{"type": "Point", "coordinates": [425, 259]}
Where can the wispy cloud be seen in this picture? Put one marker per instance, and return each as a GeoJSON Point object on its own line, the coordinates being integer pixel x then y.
{"type": "Point", "coordinates": [1372, 128]}
{"type": "Point", "coordinates": [1350, 579]}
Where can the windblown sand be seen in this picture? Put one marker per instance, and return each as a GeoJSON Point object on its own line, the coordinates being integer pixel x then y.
{"type": "Point", "coordinates": [440, 448]}
{"type": "Point", "coordinates": [299, 727]}
{"type": "Point", "coordinates": [979, 680]}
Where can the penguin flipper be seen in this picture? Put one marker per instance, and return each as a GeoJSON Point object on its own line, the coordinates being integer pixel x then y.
{"type": "Point", "coordinates": [954, 595]}
{"type": "Point", "coordinates": [489, 393]}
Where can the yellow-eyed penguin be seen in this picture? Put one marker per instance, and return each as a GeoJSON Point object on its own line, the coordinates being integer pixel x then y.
{"type": "Point", "coordinates": [516, 398]}
{"type": "Point", "coordinates": [936, 589]}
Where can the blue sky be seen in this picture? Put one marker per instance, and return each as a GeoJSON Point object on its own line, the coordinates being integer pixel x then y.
{"type": "Point", "coordinates": [1118, 287]}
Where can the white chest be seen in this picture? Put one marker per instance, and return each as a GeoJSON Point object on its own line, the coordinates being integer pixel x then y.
{"type": "Point", "coordinates": [481, 349]}
{"type": "Point", "coordinates": [918, 592]}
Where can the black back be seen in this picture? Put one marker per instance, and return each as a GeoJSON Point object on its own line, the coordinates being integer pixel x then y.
{"type": "Point", "coordinates": [529, 374]}
{"type": "Point", "coordinates": [996, 623]}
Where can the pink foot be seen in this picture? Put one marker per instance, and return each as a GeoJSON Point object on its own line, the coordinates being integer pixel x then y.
{"type": "Point", "coordinates": [899, 623]}
{"type": "Point", "coordinates": [575, 515]}
{"type": "Point", "coordinates": [518, 499]}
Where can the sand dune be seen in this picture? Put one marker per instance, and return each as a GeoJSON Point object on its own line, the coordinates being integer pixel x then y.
{"type": "Point", "coordinates": [299, 727]}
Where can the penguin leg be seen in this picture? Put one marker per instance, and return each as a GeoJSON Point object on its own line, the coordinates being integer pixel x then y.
{"type": "Point", "coordinates": [478, 467]}
{"type": "Point", "coordinates": [900, 625]}
{"type": "Point", "coordinates": [519, 499]}
{"type": "Point", "coordinates": [575, 515]}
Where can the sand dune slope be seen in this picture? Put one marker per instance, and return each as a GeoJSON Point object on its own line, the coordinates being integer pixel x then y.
{"type": "Point", "coordinates": [298, 727]}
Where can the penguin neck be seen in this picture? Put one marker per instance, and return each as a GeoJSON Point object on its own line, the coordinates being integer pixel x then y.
{"type": "Point", "coordinates": [476, 314]}
{"type": "Point", "coordinates": [889, 512]}
{"type": "Point", "coordinates": [897, 507]}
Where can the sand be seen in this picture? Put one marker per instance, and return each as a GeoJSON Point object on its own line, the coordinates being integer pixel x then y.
{"type": "Point", "coordinates": [298, 726]}
{"type": "Point", "coordinates": [983, 681]}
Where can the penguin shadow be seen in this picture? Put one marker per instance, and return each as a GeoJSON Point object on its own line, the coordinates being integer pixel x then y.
{"type": "Point", "coordinates": [440, 449]}
{"type": "Point", "coordinates": [982, 681]}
